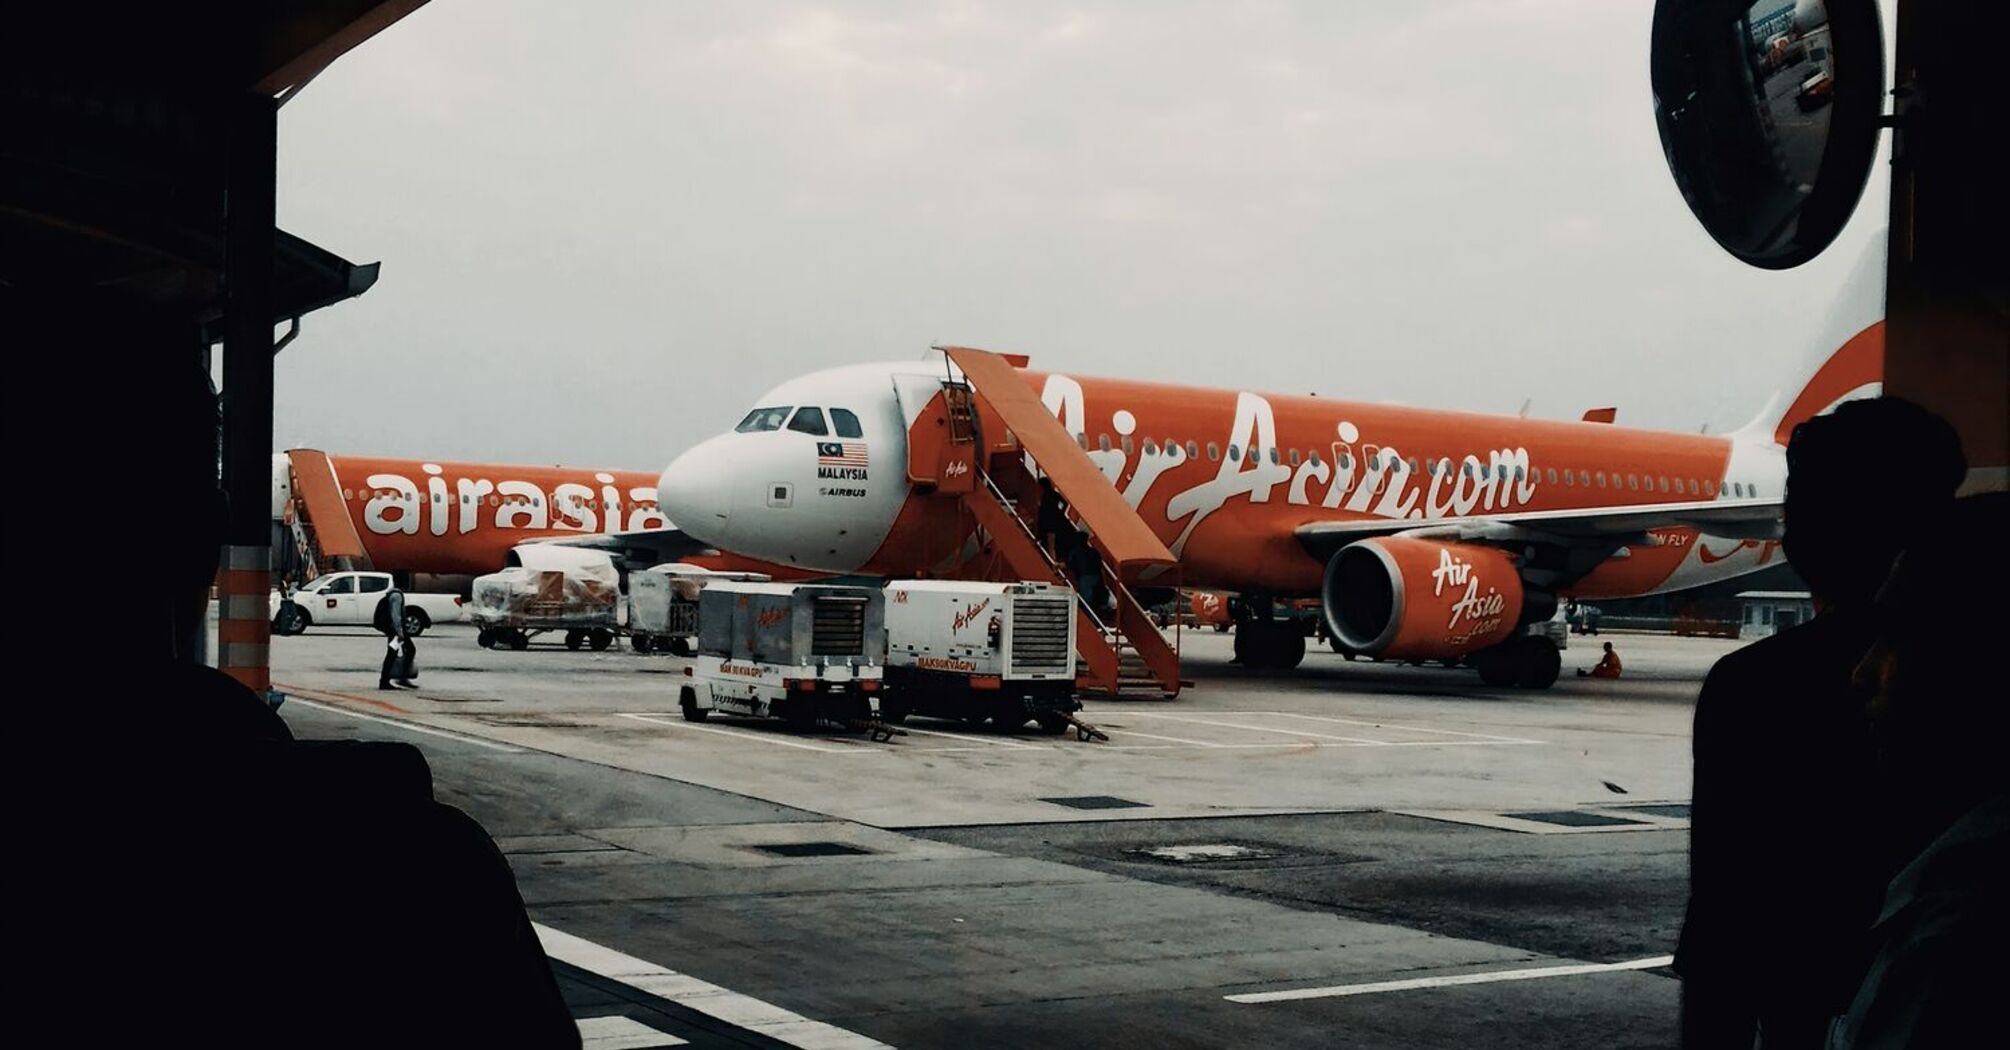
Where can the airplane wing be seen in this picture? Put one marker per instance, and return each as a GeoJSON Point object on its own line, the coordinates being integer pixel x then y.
{"type": "Point", "coordinates": [638, 549]}
{"type": "Point", "coordinates": [1756, 519]}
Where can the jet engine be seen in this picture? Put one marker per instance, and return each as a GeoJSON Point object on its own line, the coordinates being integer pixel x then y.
{"type": "Point", "coordinates": [1407, 598]}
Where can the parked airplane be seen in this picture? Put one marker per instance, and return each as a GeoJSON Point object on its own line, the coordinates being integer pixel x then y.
{"type": "Point", "coordinates": [1427, 535]}
{"type": "Point", "coordinates": [444, 519]}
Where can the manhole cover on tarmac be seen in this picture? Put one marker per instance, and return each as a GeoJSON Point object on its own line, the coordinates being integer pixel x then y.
{"type": "Point", "coordinates": [1571, 818]}
{"type": "Point", "coordinates": [1202, 853]}
{"type": "Point", "coordinates": [812, 849]}
{"type": "Point", "coordinates": [1096, 802]}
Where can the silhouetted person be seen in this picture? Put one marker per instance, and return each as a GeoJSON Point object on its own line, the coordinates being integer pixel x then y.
{"type": "Point", "coordinates": [401, 654]}
{"type": "Point", "coordinates": [1785, 866]}
{"type": "Point", "coordinates": [1608, 665]}
{"type": "Point", "coordinates": [256, 888]}
{"type": "Point", "coordinates": [1939, 720]}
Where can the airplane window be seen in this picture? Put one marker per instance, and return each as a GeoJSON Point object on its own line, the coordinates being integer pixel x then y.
{"type": "Point", "coordinates": [1517, 474]}
{"type": "Point", "coordinates": [809, 421]}
{"type": "Point", "coordinates": [762, 419]}
{"type": "Point", "coordinates": [348, 494]}
{"type": "Point", "coordinates": [1569, 477]}
{"type": "Point", "coordinates": [1601, 479]}
{"type": "Point", "coordinates": [1213, 451]}
{"type": "Point", "coordinates": [1151, 447]}
{"type": "Point", "coordinates": [1082, 440]}
{"type": "Point", "coordinates": [1192, 450]}
{"type": "Point", "coordinates": [1413, 465]}
{"type": "Point", "coordinates": [1314, 457]}
{"type": "Point", "coordinates": [1126, 442]}
{"type": "Point", "coordinates": [1468, 469]}
{"type": "Point", "coordinates": [1552, 475]}
{"type": "Point", "coordinates": [1296, 458]}
{"type": "Point", "coordinates": [1103, 442]}
{"type": "Point", "coordinates": [1709, 487]}
{"type": "Point", "coordinates": [1632, 482]}
{"type": "Point", "coordinates": [1234, 454]}
{"type": "Point", "coordinates": [1273, 455]}
{"type": "Point", "coordinates": [1693, 490]}
{"type": "Point", "coordinates": [1584, 478]}
{"type": "Point", "coordinates": [845, 423]}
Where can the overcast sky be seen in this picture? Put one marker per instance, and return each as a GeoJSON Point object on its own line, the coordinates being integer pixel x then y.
{"type": "Point", "coordinates": [607, 227]}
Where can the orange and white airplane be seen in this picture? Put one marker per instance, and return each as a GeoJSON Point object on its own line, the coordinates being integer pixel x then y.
{"type": "Point", "coordinates": [1426, 535]}
{"type": "Point", "coordinates": [445, 519]}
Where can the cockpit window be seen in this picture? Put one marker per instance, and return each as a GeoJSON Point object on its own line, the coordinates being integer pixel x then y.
{"type": "Point", "coordinates": [810, 421]}
{"type": "Point", "coordinates": [763, 419]}
{"type": "Point", "coordinates": [846, 423]}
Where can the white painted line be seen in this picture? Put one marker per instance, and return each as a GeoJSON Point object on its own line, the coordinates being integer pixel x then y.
{"type": "Point", "coordinates": [970, 739]}
{"type": "Point", "coordinates": [402, 724]}
{"type": "Point", "coordinates": [1298, 744]}
{"type": "Point", "coordinates": [622, 1033]}
{"type": "Point", "coordinates": [1393, 725]}
{"type": "Point", "coordinates": [709, 999]}
{"type": "Point", "coordinates": [1262, 729]}
{"type": "Point", "coordinates": [754, 735]}
{"type": "Point", "coordinates": [1492, 977]}
{"type": "Point", "coordinates": [1184, 740]}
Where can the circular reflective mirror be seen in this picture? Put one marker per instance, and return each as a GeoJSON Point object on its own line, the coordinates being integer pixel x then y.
{"type": "Point", "coordinates": [1769, 117]}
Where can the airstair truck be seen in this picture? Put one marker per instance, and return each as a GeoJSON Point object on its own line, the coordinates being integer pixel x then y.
{"type": "Point", "coordinates": [803, 653]}
{"type": "Point", "coordinates": [1002, 652]}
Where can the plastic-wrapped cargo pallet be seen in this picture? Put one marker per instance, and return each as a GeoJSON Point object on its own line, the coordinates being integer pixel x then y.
{"type": "Point", "coordinates": [553, 586]}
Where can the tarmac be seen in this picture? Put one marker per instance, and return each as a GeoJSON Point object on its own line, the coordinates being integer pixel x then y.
{"type": "Point", "coordinates": [1349, 854]}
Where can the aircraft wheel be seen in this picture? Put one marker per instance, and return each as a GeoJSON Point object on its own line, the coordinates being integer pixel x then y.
{"type": "Point", "coordinates": [680, 646]}
{"type": "Point", "coordinates": [486, 638]}
{"type": "Point", "coordinates": [575, 639]}
{"type": "Point", "coordinates": [639, 642]}
{"type": "Point", "coordinates": [1537, 663]}
{"type": "Point", "coordinates": [687, 702]}
{"type": "Point", "coordinates": [599, 638]}
{"type": "Point", "coordinates": [1497, 666]}
{"type": "Point", "coordinates": [517, 640]}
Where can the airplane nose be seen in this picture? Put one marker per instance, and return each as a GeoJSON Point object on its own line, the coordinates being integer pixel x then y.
{"type": "Point", "coordinates": [696, 492]}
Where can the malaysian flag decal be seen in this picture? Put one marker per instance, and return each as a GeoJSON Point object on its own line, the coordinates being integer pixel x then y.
{"type": "Point", "coordinates": [841, 454]}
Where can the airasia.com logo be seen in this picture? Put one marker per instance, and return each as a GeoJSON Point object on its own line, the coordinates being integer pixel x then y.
{"type": "Point", "coordinates": [968, 615]}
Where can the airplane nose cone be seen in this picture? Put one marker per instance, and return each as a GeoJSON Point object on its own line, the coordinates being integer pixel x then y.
{"type": "Point", "coordinates": [696, 492]}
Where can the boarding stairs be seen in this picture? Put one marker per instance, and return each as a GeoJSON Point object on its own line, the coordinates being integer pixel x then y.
{"type": "Point", "coordinates": [1121, 650]}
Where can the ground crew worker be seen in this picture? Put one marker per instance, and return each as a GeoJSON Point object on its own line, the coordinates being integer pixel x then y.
{"type": "Point", "coordinates": [400, 651]}
{"type": "Point", "coordinates": [1608, 665]}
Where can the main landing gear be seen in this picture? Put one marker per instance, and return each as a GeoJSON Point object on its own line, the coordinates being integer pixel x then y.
{"type": "Point", "coordinates": [1527, 662]}
{"type": "Point", "coordinates": [1269, 644]}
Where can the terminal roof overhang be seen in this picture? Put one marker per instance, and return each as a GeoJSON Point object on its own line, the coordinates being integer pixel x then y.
{"type": "Point", "coordinates": [112, 171]}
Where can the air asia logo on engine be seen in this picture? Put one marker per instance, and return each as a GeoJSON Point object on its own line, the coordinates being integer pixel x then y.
{"type": "Point", "coordinates": [1481, 613]}
{"type": "Point", "coordinates": [841, 460]}
{"type": "Point", "coordinates": [969, 615]}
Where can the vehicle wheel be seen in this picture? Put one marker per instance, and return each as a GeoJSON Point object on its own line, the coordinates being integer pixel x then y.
{"type": "Point", "coordinates": [687, 701]}
{"type": "Point", "coordinates": [600, 639]}
{"type": "Point", "coordinates": [518, 640]}
{"type": "Point", "coordinates": [575, 639]}
{"type": "Point", "coordinates": [1221, 628]}
{"type": "Point", "coordinates": [416, 622]}
{"type": "Point", "coordinates": [680, 646]}
{"type": "Point", "coordinates": [639, 642]}
{"type": "Point", "coordinates": [1537, 663]}
{"type": "Point", "coordinates": [486, 638]}
{"type": "Point", "coordinates": [1051, 723]}
{"type": "Point", "coordinates": [291, 619]}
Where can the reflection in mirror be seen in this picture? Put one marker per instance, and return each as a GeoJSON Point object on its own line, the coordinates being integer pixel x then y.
{"type": "Point", "coordinates": [1768, 114]}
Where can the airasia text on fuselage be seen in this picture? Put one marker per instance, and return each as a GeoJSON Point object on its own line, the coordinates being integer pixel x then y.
{"type": "Point", "coordinates": [464, 504]}
{"type": "Point", "coordinates": [1357, 476]}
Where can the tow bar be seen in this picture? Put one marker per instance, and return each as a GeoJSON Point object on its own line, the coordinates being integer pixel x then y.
{"type": "Point", "coordinates": [1083, 730]}
{"type": "Point", "coordinates": [875, 730]}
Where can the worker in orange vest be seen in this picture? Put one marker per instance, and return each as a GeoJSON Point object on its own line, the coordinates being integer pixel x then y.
{"type": "Point", "coordinates": [1608, 666]}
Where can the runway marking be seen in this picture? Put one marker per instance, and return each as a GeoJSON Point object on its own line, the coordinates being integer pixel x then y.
{"type": "Point", "coordinates": [622, 1033]}
{"type": "Point", "coordinates": [402, 724]}
{"type": "Point", "coordinates": [757, 737]}
{"type": "Point", "coordinates": [971, 739]}
{"type": "Point", "coordinates": [1393, 725]}
{"type": "Point", "coordinates": [1184, 740]}
{"type": "Point", "coordinates": [1491, 977]}
{"type": "Point", "coordinates": [706, 998]}
{"type": "Point", "coordinates": [1364, 741]}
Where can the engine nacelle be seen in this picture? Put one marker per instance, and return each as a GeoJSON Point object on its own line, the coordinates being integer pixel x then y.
{"type": "Point", "coordinates": [1409, 598]}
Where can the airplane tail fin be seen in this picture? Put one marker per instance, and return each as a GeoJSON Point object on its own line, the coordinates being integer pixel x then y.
{"type": "Point", "coordinates": [1849, 350]}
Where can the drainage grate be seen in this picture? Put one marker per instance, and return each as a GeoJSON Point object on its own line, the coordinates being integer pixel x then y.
{"type": "Point", "coordinates": [1096, 802]}
{"type": "Point", "coordinates": [1571, 818]}
{"type": "Point", "coordinates": [1661, 809]}
{"type": "Point", "coordinates": [812, 849]}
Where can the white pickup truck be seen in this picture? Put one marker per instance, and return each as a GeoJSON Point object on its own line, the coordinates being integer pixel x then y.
{"type": "Point", "coordinates": [350, 599]}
